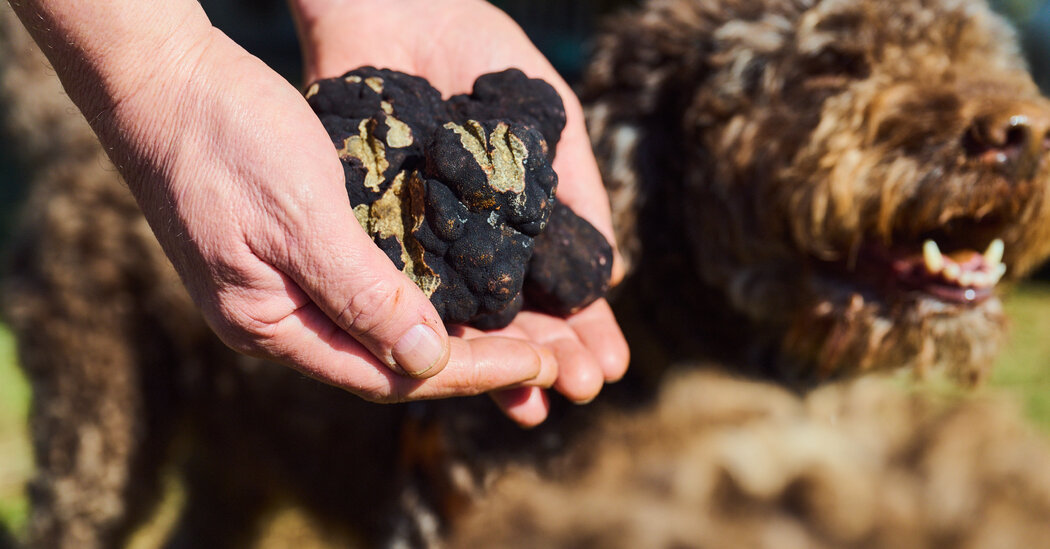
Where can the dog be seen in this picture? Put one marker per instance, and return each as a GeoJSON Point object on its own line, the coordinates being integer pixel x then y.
{"type": "Point", "coordinates": [776, 169]}
{"type": "Point", "coordinates": [810, 182]}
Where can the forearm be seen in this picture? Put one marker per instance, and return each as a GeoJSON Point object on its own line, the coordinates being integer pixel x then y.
{"type": "Point", "coordinates": [112, 43]}
{"type": "Point", "coordinates": [339, 35]}
{"type": "Point", "coordinates": [321, 22]}
{"type": "Point", "coordinates": [116, 58]}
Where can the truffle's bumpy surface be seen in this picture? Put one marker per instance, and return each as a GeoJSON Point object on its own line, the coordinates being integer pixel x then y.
{"type": "Point", "coordinates": [547, 286]}
{"type": "Point", "coordinates": [456, 192]}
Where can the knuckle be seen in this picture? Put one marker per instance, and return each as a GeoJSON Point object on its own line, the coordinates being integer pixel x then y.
{"type": "Point", "coordinates": [473, 381]}
{"type": "Point", "coordinates": [381, 395]}
{"type": "Point", "coordinates": [470, 379]}
{"type": "Point", "coordinates": [396, 395]}
{"type": "Point", "coordinates": [370, 310]}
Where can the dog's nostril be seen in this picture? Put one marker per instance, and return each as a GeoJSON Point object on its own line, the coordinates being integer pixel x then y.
{"type": "Point", "coordinates": [993, 140]}
{"type": "Point", "coordinates": [1018, 134]}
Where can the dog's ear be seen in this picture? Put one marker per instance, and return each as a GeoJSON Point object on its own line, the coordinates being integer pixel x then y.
{"type": "Point", "coordinates": [613, 113]}
{"type": "Point", "coordinates": [616, 149]}
{"type": "Point", "coordinates": [639, 82]}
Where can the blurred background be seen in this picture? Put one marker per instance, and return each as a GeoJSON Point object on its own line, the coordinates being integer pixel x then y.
{"type": "Point", "coordinates": [561, 29]}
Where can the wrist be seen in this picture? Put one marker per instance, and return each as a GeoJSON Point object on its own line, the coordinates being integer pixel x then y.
{"type": "Point", "coordinates": [340, 35]}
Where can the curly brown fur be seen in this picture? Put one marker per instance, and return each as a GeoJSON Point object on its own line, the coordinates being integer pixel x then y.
{"type": "Point", "coordinates": [718, 462]}
{"type": "Point", "coordinates": [769, 161]}
{"type": "Point", "coordinates": [126, 375]}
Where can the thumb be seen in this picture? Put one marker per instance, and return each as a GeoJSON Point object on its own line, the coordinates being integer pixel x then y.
{"type": "Point", "coordinates": [348, 277]}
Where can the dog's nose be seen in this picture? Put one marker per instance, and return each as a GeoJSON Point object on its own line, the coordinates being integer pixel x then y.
{"type": "Point", "coordinates": [1014, 138]}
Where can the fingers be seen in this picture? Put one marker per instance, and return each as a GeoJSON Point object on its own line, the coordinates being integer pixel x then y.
{"type": "Point", "coordinates": [599, 333]}
{"type": "Point", "coordinates": [482, 365]}
{"type": "Point", "coordinates": [527, 406]}
{"type": "Point", "coordinates": [588, 347]}
{"type": "Point", "coordinates": [579, 375]}
{"type": "Point", "coordinates": [309, 341]}
{"type": "Point", "coordinates": [549, 367]}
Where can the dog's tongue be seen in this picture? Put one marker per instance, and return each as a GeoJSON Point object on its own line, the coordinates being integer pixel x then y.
{"type": "Point", "coordinates": [963, 276]}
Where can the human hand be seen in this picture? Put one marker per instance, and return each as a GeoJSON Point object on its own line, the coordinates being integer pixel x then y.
{"type": "Point", "coordinates": [239, 181]}
{"type": "Point", "coordinates": [451, 43]}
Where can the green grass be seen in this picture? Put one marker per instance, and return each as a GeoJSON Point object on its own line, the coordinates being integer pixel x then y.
{"type": "Point", "coordinates": [15, 456]}
{"type": "Point", "coordinates": [1024, 366]}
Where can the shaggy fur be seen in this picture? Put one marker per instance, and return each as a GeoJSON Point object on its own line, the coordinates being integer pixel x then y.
{"type": "Point", "coordinates": [719, 462]}
{"type": "Point", "coordinates": [766, 156]}
{"type": "Point", "coordinates": [778, 142]}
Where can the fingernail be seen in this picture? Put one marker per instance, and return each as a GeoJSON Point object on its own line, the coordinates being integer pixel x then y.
{"type": "Point", "coordinates": [418, 350]}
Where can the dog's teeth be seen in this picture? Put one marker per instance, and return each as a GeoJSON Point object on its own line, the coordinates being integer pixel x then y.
{"type": "Point", "coordinates": [980, 279]}
{"type": "Point", "coordinates": [994, 254]}
{"type": "Point", "coordinates": [932, 256]}
{"type": "Point", "coordinates": [951, 272]}
{"type": "Point", "coordinates": [997, 275]}
{"type": "Point", "coordinates": [966, 279]}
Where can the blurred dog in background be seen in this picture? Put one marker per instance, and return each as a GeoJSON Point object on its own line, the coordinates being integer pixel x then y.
{"type": "Point", "coordinates": [822, 188]}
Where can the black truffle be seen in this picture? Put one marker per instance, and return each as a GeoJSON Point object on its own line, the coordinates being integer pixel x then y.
{"type": "Point", "coordinates": [456, 192]}
{"type": "Point", "coordinates": [571, 265]}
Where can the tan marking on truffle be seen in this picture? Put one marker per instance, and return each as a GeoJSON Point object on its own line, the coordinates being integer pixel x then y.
{"type": "Point", "coordinates": [384, 219]}
{"type": "Point", "coordinates": [361, 213]}
{"type": "Point", "coordinates": [501, 156]}
{"type": "Point", "coordinates": [509, 154]}
{"type": "Point", "coordinates": [398, 134]}
{"type": "Point", "coordinates": [370, 151]}
{"type": "Point", "coordinates": [387, 218]}
{"type": "Point", "coordinates": [375, 83]}
{"type": "Point", "coordinates": [313, 90]}
{"type": "Point", "coordinates": [472, 136]}
{"type": "Point", "coordinates": [353, 79]}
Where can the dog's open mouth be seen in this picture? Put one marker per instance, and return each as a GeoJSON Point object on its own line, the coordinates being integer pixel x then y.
{"type": "Point", "coordinates": [960, 263]}
{"type": "Point", "coordinates": [960, 276]}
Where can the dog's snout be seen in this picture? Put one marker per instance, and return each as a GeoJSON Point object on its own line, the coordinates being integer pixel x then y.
{"type": "Point", "coordinates": [1014, 138]}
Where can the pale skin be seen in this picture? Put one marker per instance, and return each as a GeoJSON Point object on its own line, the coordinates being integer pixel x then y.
{"type": "Point", "coordinates": [243, 188]}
